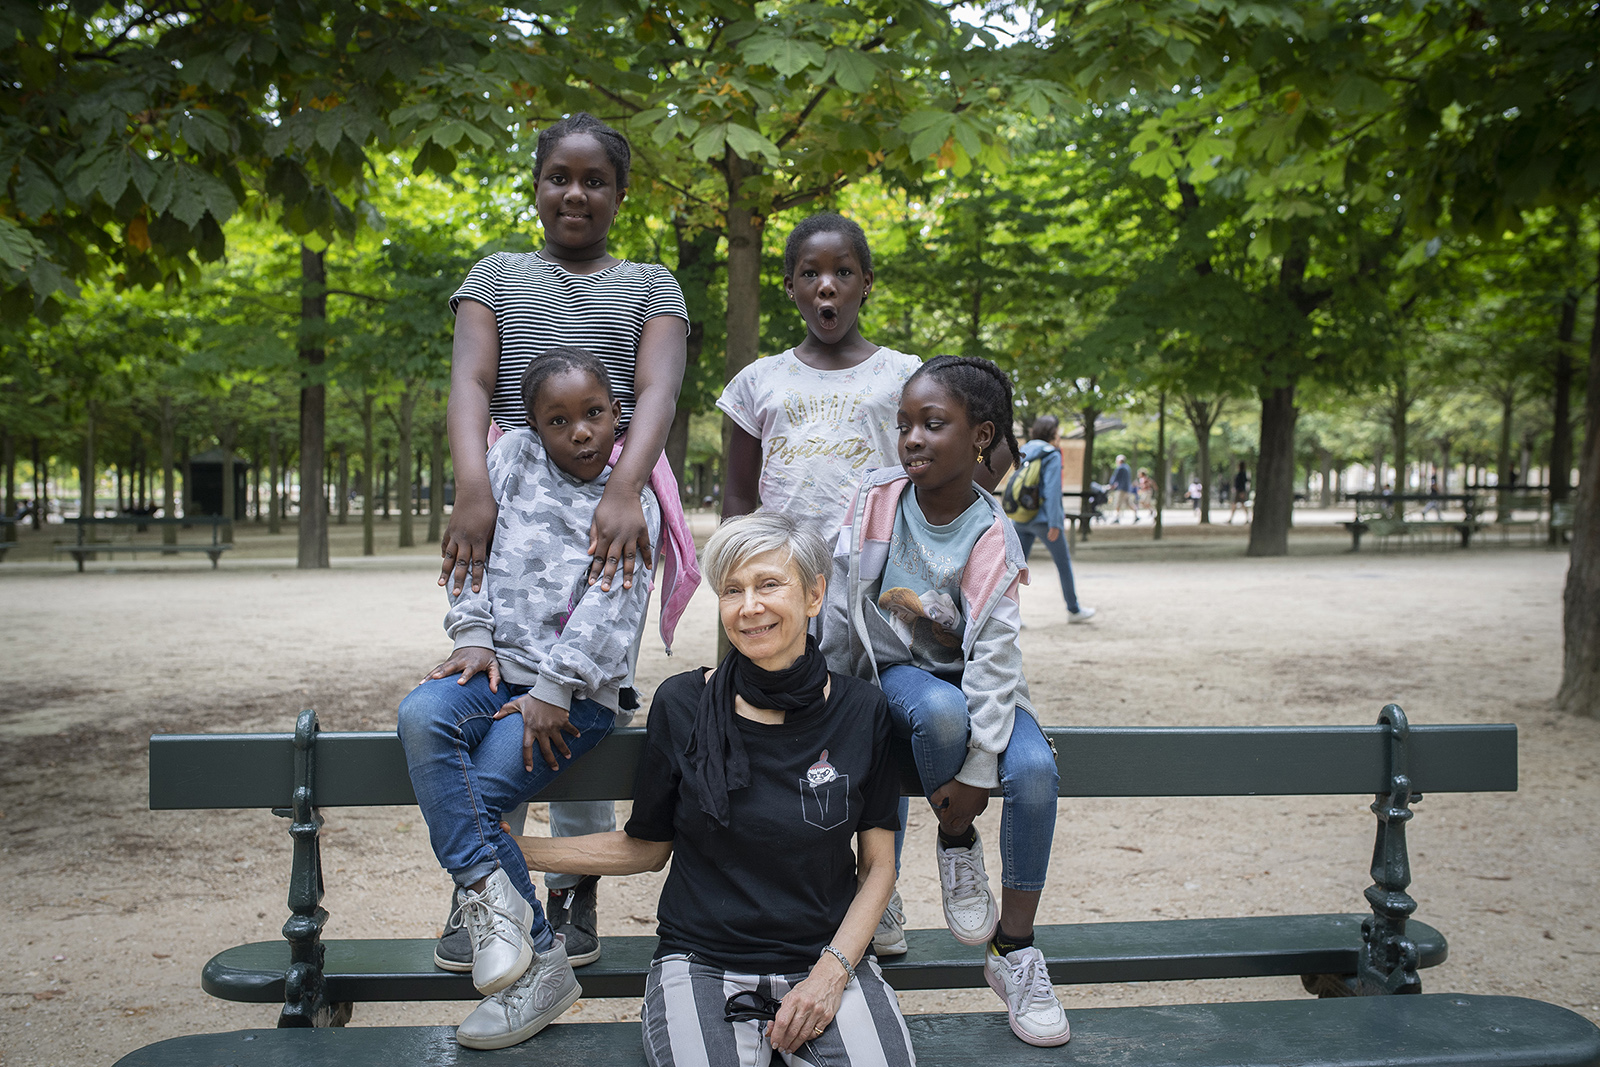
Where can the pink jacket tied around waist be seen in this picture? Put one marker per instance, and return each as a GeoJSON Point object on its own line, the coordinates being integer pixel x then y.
{"type": "Point", "coordinates": [680, 570]}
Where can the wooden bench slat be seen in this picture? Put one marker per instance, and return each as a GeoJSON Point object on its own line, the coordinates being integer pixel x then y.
{"type": "Point", "coordinates": [190, 771]}
{"type": "Point", "coordinates": [1435, 1030]}
{"type": "Point", "coordinates": [1157, 951]}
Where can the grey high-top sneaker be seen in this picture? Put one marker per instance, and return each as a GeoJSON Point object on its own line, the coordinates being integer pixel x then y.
{"type": "Point", "coordinates": [499, 920]}
{"type": "Point", "coordinates": [454, 950]}
{"type": "Point", "coordinates": [526, 1006]}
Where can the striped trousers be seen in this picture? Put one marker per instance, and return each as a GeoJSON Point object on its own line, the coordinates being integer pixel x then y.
{"type": "Point", "coordinates": [684, 1001]}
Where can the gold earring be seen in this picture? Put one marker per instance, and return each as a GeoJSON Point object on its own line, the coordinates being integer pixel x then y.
{"type": "Point", "coordinates": [979, 457]}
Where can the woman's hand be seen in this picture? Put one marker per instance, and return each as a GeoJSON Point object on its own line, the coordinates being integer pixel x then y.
{"type": "Point", "coordinates": [1053, 534]}
{"type": "Point", "coordinates": [809, 1007]}
{"type": "Point", "coordinates": [543, 725]}
{"type": "Point", "coordinates": [618, 535]}
{"type": "Point", "coordinates": [465, 546]}
{"type": "Point", "coordinates": [467, 662]}
{"type": "Point", "coordinates": [958, 804]}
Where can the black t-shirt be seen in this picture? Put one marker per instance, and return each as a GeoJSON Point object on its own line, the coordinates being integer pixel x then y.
{"type": "Point", "coordinates": [764, 894]}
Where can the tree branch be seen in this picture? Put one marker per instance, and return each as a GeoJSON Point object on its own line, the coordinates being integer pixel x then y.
{"type": "Point", "coordinates": [805, 113]}
{"type": "Point", "coordinates": [359, 296]}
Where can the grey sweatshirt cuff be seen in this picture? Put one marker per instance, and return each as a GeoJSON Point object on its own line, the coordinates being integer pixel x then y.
{"type": "Point", "coordinates": [552, 693]}
{"type": "Point", "coordinates": [982, 769]}
{"type": "Point", "coordinates": [475, 637]}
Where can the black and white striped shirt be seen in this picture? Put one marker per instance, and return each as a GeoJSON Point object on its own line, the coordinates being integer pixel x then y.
{"type": "Point", "coordinates": [539, 305]}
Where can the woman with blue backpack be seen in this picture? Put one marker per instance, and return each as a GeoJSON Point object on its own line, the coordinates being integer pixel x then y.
{"type": "Point", "coordinates": [1032, 500]}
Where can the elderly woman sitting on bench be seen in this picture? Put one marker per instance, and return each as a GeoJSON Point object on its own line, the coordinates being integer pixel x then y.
{"type": "Point", "coordinates": [770, 783]}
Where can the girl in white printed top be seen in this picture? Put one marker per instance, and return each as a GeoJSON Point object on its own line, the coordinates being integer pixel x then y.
{"type": "Point", "coordinates": [810, 421]}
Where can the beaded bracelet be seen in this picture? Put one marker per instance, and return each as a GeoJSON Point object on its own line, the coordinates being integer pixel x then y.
{"type": "Point", "coordinates": [850, 972]}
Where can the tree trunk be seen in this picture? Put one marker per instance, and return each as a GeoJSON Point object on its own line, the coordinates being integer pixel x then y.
{"type": "Point", "coordinates": [402, 421]}
{"type": "Point", "coordinates": [312, 550]}
{"type": "Point", "coordinates": [1398, 419]}
{"type": "Point", "coordinates": [344, 484]}
{"type": "Point", "coordinates": [697, 265]}
{"type": "Point", "coordinates": [225, 438]}
{"type": "Point", "coordinates": [1561, 430]}
{"type": "Point", "coordinates": [1580, 666]}
{"type": "Point", "coordinates": [1503, 477]}
{"type": "Point", "coordinates": [1325, 459]}
{"type": "Point", "coordinates": [1161, 463]}
{"type": "Point", "coordinates": [1090, 418]}
{"type": "Point", "coordinates": [41, 487]}
{"type": "Point", "coordinates": [368, 482]}
{"type": "Point", "coordinates": [744, 280]}
{"type": "Point", "coordinates": [436, 434]}
{"type": "Point", "coordinates": [274, 512]}
{"type": "Point", "coordinates": [86, 473]}
{"type": "Point", "coordinates": [8, 459]}
{"type": "Point", "coordinates": [1274, 510]}
{"type": "Point", "coordinates": [383, 497]}
{"type": "Point", "coordinates": [186, 494]}
{"type": "Point", "coordinates": [1202, 416]}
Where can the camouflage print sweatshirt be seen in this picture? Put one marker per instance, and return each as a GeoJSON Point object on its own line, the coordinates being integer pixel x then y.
{"type": "Point", "coordinates": [549, 628]}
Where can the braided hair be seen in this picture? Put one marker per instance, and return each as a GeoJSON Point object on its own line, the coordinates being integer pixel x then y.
{"type": "Point", "coordinates": [983, 389]}
{"type": "Point", "coordinates": [615, 145]}
{"type": "Point", "coordinates": [555, 361]}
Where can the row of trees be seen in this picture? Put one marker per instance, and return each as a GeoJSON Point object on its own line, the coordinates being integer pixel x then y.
{"type": "Point", "coordinates": [1212, 203]}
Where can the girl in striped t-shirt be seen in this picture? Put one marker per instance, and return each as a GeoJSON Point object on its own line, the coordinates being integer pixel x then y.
{"type": "Point", "coordinates": [513, 308]}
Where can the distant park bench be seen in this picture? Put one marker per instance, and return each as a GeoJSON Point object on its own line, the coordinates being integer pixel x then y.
{"type": "Point", "coordinates": [120, 537]}
{"type": "Point", "coordinates": [1358, 960]}
{"type": "Point", "coordinates": [1375, 515]}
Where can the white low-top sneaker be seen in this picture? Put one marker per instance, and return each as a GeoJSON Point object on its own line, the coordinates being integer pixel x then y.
{"type": "Point", "coordinates": [529, 1004]}
{"type": "Point", "coordinates": [1022, 980]}
{"type": "Point", "coordinates": [969, 908]}
{"type": "Point", "coordinates": [890, 937]}
{"type": "Point", "coordinates": [1083, 614]}
{"type": "Point", "coordinates": [499, 921]}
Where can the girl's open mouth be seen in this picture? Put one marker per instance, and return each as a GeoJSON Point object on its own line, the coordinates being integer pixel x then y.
{"type": "Point", "coordinates": [828, 313]}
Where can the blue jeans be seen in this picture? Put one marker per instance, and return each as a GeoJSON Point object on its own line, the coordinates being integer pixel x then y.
{"type": "Point", "coordinates": [466, 769]}
{"type": "Point", "coordinates": [1027, 531]}
{"type": "Point", "coordinates": [933, 714]}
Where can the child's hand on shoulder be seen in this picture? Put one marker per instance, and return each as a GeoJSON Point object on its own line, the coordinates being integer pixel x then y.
{"type": "Point", "coordinates": [543, 724]}
{"type": "Point", "coordinates": [467, 662]}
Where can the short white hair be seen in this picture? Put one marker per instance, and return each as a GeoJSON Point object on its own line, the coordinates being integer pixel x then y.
{"type": "Point", "coordinates": [747, 536]}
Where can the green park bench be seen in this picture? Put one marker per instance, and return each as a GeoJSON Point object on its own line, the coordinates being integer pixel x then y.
{"type": "Point", "coordinates": [1561, 521]}
{"type": "Point", "coordinates": [90, 543]}
{"type": "Point", "coordinates": [1375, 516]}
{"type": "Point", "coordinates": [1355, 963]}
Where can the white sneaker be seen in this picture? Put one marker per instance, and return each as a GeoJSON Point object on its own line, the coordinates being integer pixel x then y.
{"type": "Point", "coordinates": [890, 937]}
{"type": "Point", "coordinates": [498, 920]}
{"type": "Point", "coordinates": [531, 1002]}
{"type": "Point", "coordinates": [1022, 980]}
{"type": "Point", "coordinates": [1083, 614]}
{"type": "Point", "coordinates": [969, 908]}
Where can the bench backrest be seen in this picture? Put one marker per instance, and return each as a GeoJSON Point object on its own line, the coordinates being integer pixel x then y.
{"type": "Point", "coordinates": [359, 769]}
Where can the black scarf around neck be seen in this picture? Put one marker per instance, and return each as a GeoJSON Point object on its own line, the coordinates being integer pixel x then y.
{"type": "Point", "coordinates": [715, 762]}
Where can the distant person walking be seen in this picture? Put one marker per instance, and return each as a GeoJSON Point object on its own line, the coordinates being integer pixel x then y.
{"type": "Point", "coordinates": [1241, 493]}
{"type": "Point", "coordinates": [1145, 491]}
{"type": "Point", "coordinates": [1196, 492]}
{"type": "Point", "coordinates": [1045, 444]}
{"type": "Point", "coordinates": [1122, 490]}
{"type": "Point", "coordinates": [1434, 502]}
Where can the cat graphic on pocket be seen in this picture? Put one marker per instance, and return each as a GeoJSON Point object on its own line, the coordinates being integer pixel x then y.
{"type": "Point", "coordinates": [824, 795]}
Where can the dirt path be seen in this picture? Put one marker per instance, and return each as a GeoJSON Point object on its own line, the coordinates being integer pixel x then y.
{"type": "Point", "coordinates": [113, 909]}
